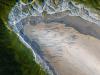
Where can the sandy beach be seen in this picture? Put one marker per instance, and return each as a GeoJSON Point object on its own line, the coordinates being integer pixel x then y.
{"type": "Point", "coordinates": [79, 24]}
{"type": "Point", "coordinates": [68, 50]}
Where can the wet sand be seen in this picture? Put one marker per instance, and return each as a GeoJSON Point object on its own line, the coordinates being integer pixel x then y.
{"type": "Point", "coordinates": [79, 24]}
{"type": "Point", "coordinates": [66, 49]}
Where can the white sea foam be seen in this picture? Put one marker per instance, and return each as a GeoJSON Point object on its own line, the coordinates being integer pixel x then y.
{"type": "Point", "coordinates": [22, 10]}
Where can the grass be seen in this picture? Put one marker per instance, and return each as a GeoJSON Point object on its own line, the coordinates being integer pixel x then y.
{"type": "Point", "coordinates": [15, 58]}
{"type": "Point", "coordinates": [94, 4]}
{"type": "Point", "coordinates": [39, 1]}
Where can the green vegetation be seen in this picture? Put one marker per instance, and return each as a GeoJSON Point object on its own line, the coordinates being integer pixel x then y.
{"type": "Point", "coordinates": [27, 1]}
{"type": "Point", "coordinates": [15, 58]}
{"type": "Point", "coordinates": [95, 4]}
{"type": "Point", "coordinates": [40, 1]}
{"type": "Point", "coordinates": [5, 7]}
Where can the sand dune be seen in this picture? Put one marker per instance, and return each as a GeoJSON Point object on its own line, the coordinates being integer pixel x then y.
{"type": "Point", "coordinates": [67, 50]}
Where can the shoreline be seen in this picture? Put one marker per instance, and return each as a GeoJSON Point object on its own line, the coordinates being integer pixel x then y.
{"type": "Point", "coordinates": [59, 51]}
{"type": "Point", "coordinates": [69, 22]}
{"type": "Point", "coordinates": [83, 26]}
{"type": "Point", "coordinates": [67, 9]}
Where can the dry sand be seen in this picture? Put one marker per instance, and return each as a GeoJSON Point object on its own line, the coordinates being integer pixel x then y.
{"type": "Point", "coordinates": [79, 24]}
{"type": "Point", "coordinates": [67, 50]}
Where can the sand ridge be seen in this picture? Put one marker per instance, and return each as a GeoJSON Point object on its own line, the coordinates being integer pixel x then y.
{"type": "Point", "coordinates": [67, 50]}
